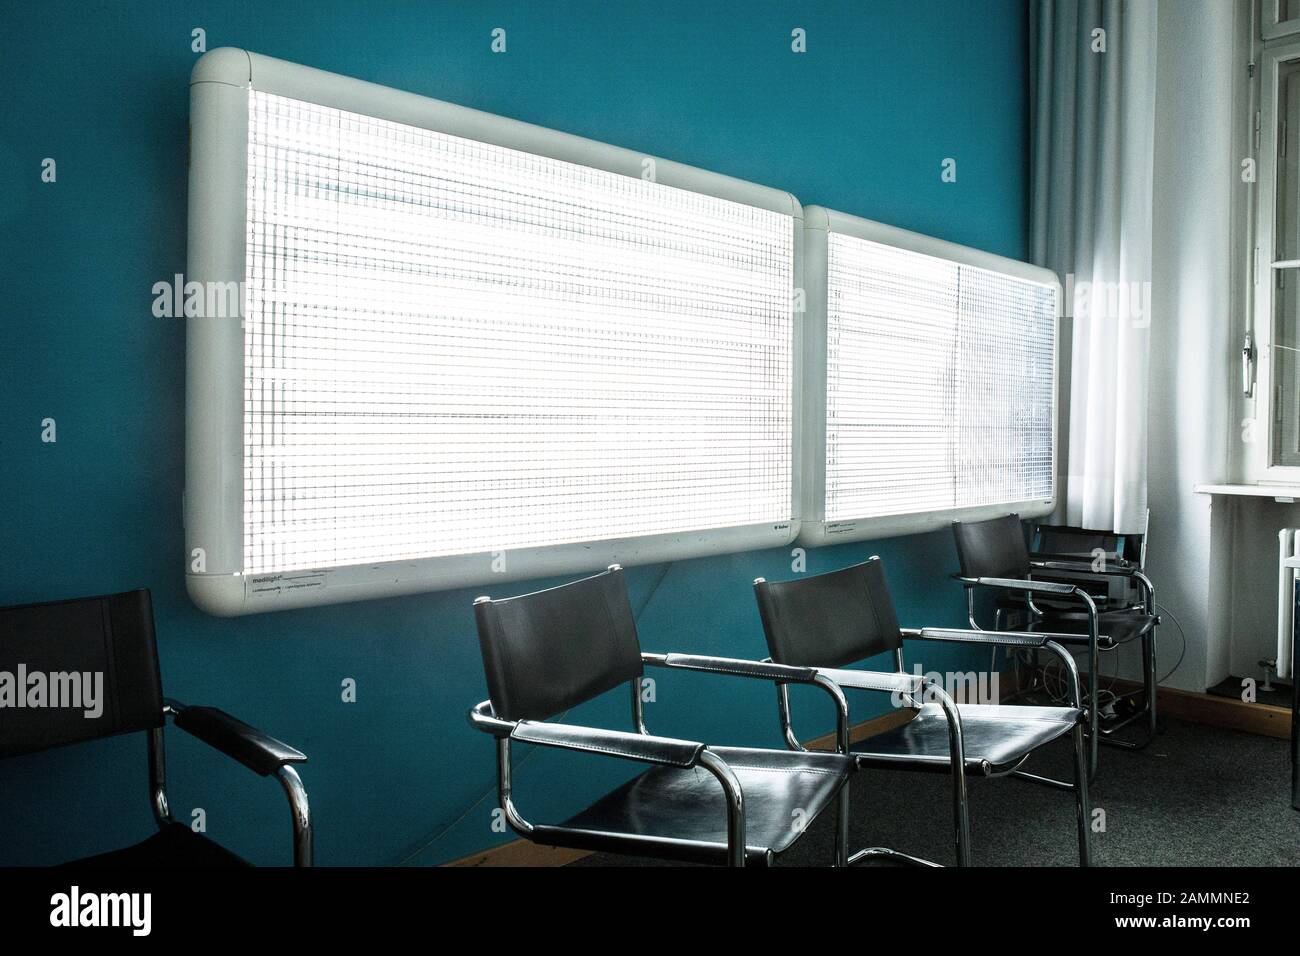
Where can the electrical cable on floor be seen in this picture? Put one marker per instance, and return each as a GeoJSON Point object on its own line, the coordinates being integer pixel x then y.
{"type": "Point", "coordinates": [1052, 675]}
{"type": "Point", "coordinates": [492, 788]}
{"type": "Point", "coordinates": [1055, 686]}
{"type": "Point", "coordinates": [1160, 608]}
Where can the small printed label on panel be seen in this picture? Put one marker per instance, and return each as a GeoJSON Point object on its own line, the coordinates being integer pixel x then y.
{"type": "Point", "coordinates": [264, 585]}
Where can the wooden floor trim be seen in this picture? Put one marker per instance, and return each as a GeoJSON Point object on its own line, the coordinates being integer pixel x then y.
{"type": "Point", "coordinates": [521, 853]}
{"type": "Point", "coordinates": [1263, 719]}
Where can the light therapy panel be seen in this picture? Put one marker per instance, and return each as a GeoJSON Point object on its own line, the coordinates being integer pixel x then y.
{"type": "Point", "coordinates": [930, 382]}
{"type": "Point", "coordinates": [467, 349]}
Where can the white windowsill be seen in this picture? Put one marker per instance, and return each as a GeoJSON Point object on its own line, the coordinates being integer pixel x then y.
{"type": "Point", "coordinates": [1284, 493]}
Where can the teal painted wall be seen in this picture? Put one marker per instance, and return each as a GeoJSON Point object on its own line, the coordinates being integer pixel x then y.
{"type": "Point", "coordinates": [859, 123]}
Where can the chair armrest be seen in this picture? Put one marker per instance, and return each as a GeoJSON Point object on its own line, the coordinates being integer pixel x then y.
{"type": "Point", "coordinates": [1018, 584]}
{"type": "Point", "coordinates": [666, 751]}
{"type": "Point", "coordinates": [1122, 570]}
{"type": "Point", "coordinates": [1086, 558]}
{"type": "Point", "coordinates": [779, 674]}
{"type": "Point", "coordinates": [1085, 567]}
{"type": "Point", "coordinates": [644, 748]}
{"type": "Point", "coordinates": [259, 752]}
{"type": "Point", "coordinates": [966, 636]}
{"type": "Point", "coordinates": [736, 667]}
{"type": "Point", "coordinates": [887, 682]}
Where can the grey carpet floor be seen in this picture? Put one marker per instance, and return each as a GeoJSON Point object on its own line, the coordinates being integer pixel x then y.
{"type": "Point", "coordinates": [1196, 796]}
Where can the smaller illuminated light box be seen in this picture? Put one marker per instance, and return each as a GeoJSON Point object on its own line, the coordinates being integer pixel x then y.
{"type": "Point", "coordinates": [930, 382]}
{"type": "Point", "coordinates": [471, 350]}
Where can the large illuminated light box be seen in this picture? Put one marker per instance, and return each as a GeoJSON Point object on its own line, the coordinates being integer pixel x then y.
{"type": "Point", "coordinates": [469, 350]}
{"type": "Point", "coordinates": [930, 382]}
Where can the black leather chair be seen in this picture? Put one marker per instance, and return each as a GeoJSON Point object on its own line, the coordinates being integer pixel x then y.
{"type": "Point", "coordinates": [1056, 592]}
{"type": "Point", "coordinates": [1112, 568]}
{"type": "Point", "coordinates": [111, 639]}
{"type": "Point", "coordinates": [546, 652]}
{"type": "Point", "coordinates": [828, 621]}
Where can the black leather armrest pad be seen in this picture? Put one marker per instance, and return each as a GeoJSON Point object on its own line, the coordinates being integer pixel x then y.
{"type": "Point", "coordinates": [965, 636]}
{"type": "Point", "coordinates": [1083, 567]}
{"type": "Point", "coordinates": [1019, 584]}
{"type": "Point", "coordinates": [257, 751]}
{"type": "Point", "coordinates": [872, 680]}
{"type": "Point", "coordinates": [763, 670]}
{"type": "Point", "coordinates": [614, 743]}
{"type": "Point", "coordinates": [1111, 558]}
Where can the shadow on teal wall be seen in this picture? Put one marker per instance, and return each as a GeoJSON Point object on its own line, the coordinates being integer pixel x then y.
{"type": "Point", "coordinates": [860, 123]}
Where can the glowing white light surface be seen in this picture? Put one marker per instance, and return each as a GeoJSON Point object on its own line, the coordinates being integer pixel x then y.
{"type": "Point", "coordinates": [451, 347]}
{"type": "Point", "coordinates": [939, 383]}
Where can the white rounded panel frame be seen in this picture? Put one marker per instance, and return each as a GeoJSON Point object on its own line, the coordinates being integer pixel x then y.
{"type": "Point", "coordinates": [387, 321]}
{"type": "Point", "coordinates": [930, 376]}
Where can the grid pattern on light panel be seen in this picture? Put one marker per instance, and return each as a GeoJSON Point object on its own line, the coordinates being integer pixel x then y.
{"type": "Point", "coordinates": [939, 381]}
{"type": "Point", "coordinates": [453, 348]}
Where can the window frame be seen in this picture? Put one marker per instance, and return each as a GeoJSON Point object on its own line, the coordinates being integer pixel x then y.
{"type": "Point", "coordinates": [815, 530]}
{"type": "Point", "coordinates": [1260, 457]}
{"type": "Point", "coordinates": [214, 493]}
{"type": "Point", "coordinates": [1272, 26]}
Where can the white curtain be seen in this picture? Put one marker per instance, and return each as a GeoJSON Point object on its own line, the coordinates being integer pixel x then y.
{"type": "Point", "coordinates": [1092, 89]}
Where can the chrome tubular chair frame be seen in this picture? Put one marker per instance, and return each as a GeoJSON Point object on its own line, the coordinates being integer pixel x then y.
{"type": "Point", "coordinates": [482, 718]}
{"type": "Point", "coordinates": [114, 634]}
{"type": "Point", "coordinates": [1082, 768]}
{"type": "Point", "coordinates": [905, 686]}
{"type": "Point", "coordinates": [782, 676]}
{"type": "Point", "coordinates": [290, 782]}
{"type": "Point", "coordinates": [908, 684]}
{"type": "Point", "coordinates": [1056, 588]}
{"type": "Point", "coordinates": [585, 632]}
{"type": "Point", "coordinates": [847, 616]}
{"type": "Point", "coordinates": [1062, 591]}
{"type": "Point", "coordinates": [1147, 604]}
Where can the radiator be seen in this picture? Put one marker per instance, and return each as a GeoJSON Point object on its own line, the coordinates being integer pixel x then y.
{"type": "Point", "coordinates": [1288, 566]}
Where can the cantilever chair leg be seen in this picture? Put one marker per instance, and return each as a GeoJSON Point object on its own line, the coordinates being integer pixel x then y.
{"type": "Point", "coordinates": [1153, 690]}
{"type": "Point", "coordinates": [735, 806]}
{"type": "Point", "coordinates": [303, 842]}
{"type": "Point", "coordinates": [1082, 770]}
{"type": "Point", "coordinates": [960, 799]}
{"type": "Point", "coordinates": [961, 816]}
{"type": "Point", "coordinates": [1148, 712]}
{"type": "Point", "coordinates": [1083, 809]}
{"type": "Point", "coordinates": [842, 827]}
{"type": "Point", "coordinates": [1094, 723]}
{"type": "Point", "coordinates": [885, 852]}
{"type": "Point", "coordinates": [960, 803]}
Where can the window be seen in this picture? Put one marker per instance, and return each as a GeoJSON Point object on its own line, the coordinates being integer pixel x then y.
{"type": "Point", "coordinates": [475, 358]}
{"type": "Point", "coordinates": [1285, 270]}
{"type": "Point", "coordinates": [1270, 372]}
{"type": "Point", "coordinates": [932, 372]}
{"type": "Point", "coordinates": [1279, 18]}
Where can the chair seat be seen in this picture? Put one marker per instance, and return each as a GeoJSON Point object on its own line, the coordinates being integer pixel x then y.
{"type": "Point", "coordinates": [1104, 602]}
{"type": "Point", "coordinates": [668, 811]}
{"type": "Point", "coordinates": [995, 737]}
{"type": "Point", "coordinates": [1113, 627]}
{"type": "Point", "coordinates": [173, 845]}
{"type": "Point", "coordinates": [1119, 627]}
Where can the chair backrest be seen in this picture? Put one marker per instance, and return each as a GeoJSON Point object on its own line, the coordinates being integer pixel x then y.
{"type": "Point", "coordinates": [77, 670]}
{"type": "Point", "coordinates": [829, 620]}
{"type": "Point", "coordinates": [1066, 539]}
{"type": "Point", "coordinates": [1062, 539]}
{"type": "Point", "coordinates": [551, 650]}
{"type": "Point", "coordinates": [991, 549]}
